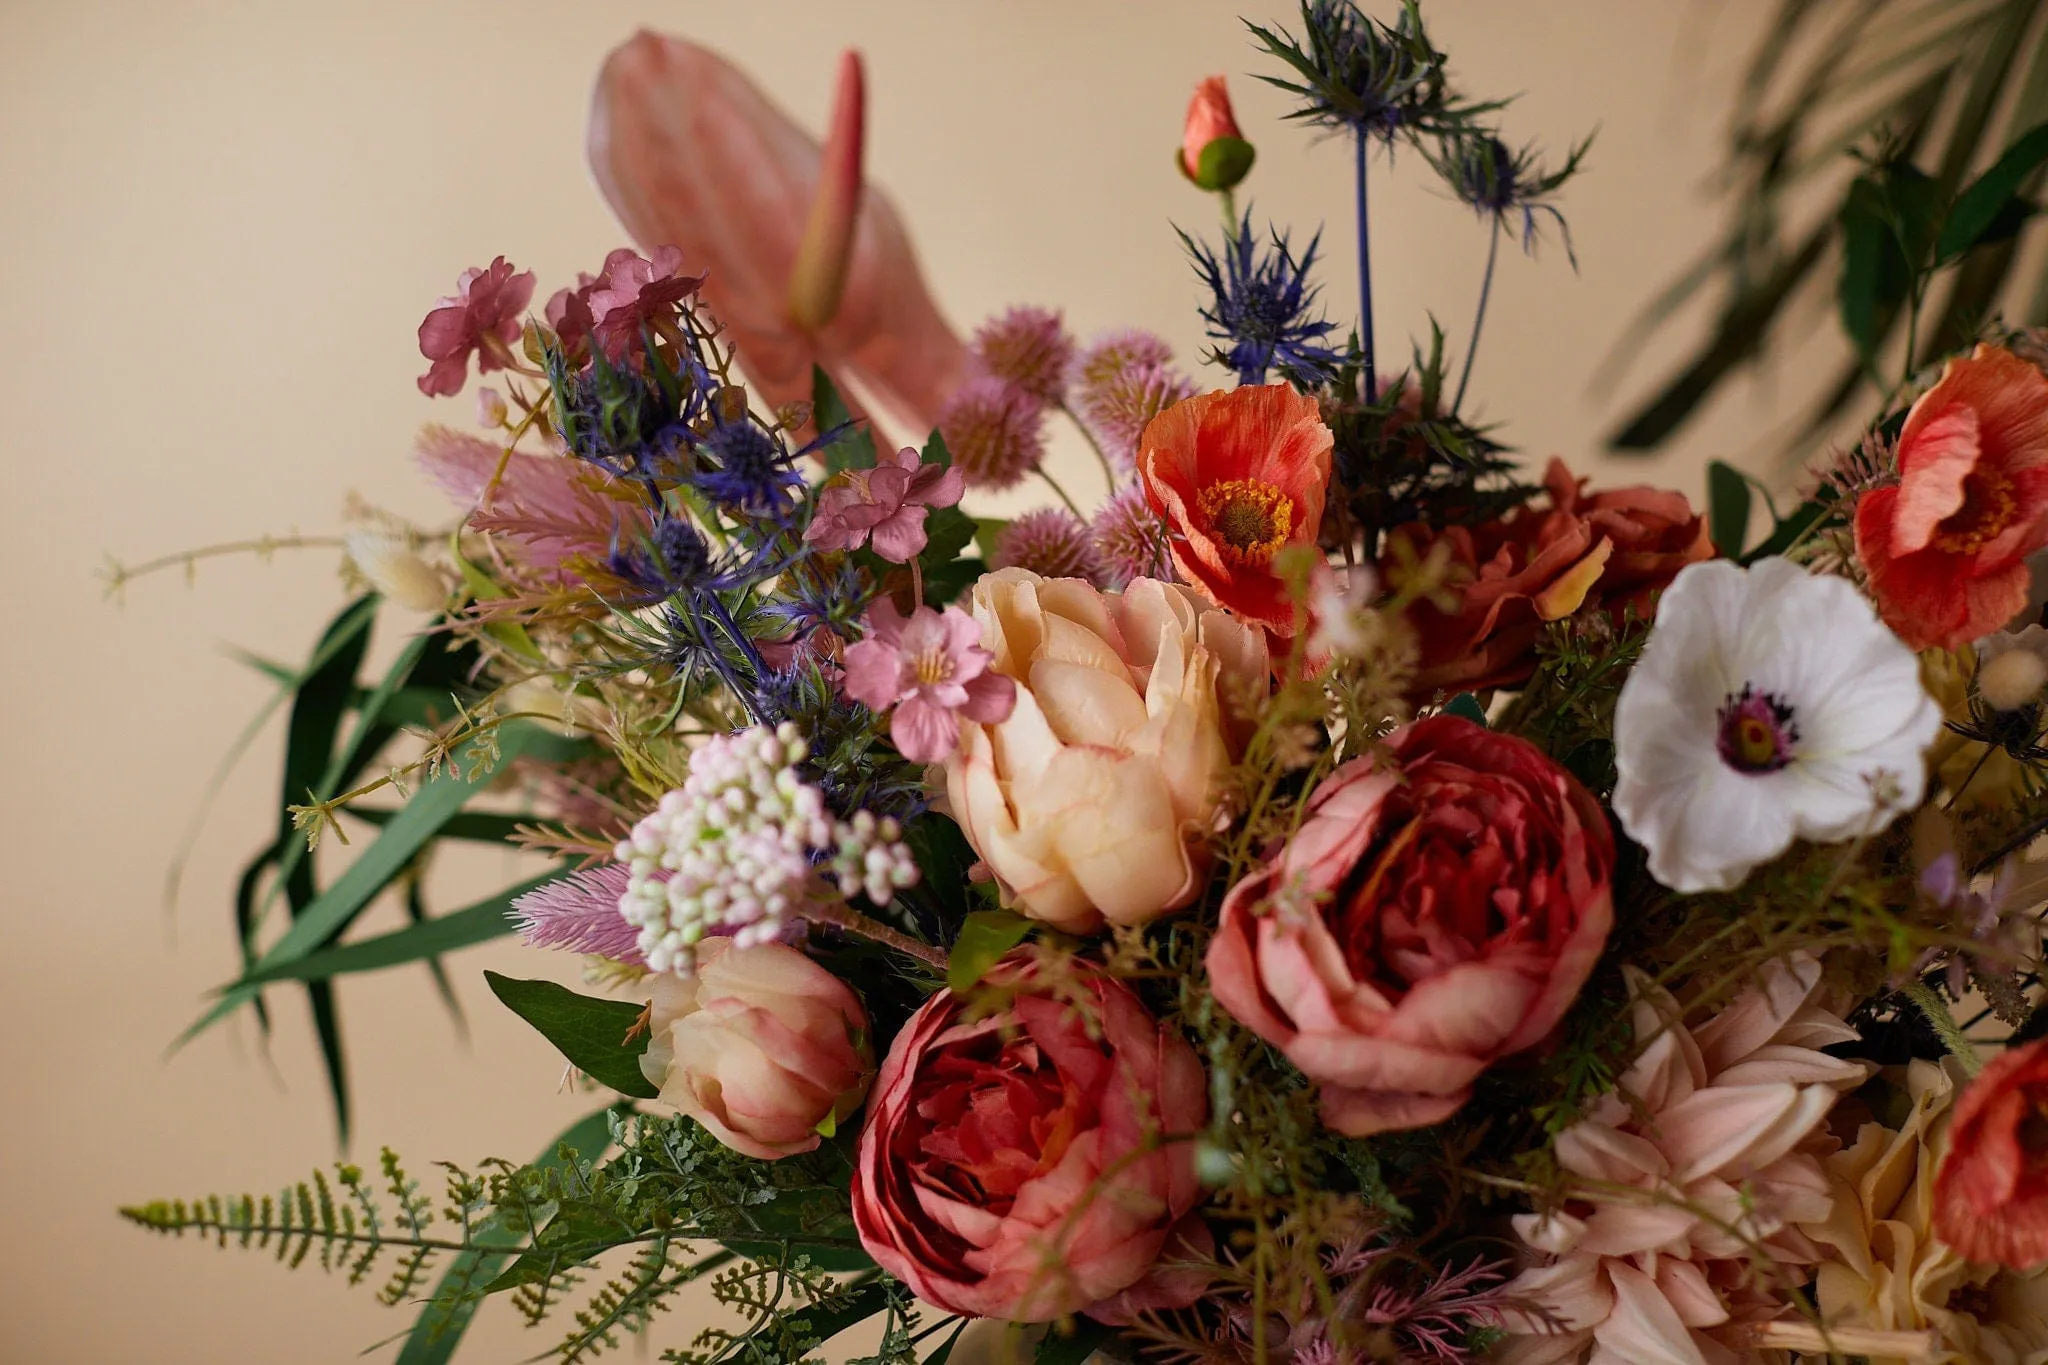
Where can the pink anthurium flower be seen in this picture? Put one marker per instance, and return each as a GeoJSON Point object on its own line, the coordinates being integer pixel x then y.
{"type": "Point", "coordinates": [804, 265]}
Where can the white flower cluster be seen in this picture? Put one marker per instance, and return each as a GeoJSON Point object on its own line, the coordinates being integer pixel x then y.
{"type": "Point", "coordinates": [737, 848]}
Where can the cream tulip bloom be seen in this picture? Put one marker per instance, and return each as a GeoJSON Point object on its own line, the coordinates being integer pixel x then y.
{"type": "Point", "coordinates": [1092, 801]}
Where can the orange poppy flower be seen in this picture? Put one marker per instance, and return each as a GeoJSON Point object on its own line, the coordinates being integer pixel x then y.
{"type": "Point", "coordinates": [1238, 477]}
{"type": "Point", "coordinates": [1947, 548]}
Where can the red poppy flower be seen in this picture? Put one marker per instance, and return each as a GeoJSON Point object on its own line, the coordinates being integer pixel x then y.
{"type": "Point", "coordinates": [1991, 1195]}
{"type": "Point", "coordinates": [1946, 549]}
{"type": "Point", "coordinates": [1238, 477]}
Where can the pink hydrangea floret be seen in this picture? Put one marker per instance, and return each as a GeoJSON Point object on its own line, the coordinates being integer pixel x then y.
{"type": "Point", "coordinates": [884, 506]}
{"type": "Point", "coordinates": [931, 668]}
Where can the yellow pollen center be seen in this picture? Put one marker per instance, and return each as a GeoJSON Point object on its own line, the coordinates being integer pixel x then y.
{"type": "Point", "coordinates": [1249, 519]}
{"type": "Point", "coordinates": [933, 666]}
{"type": "Point", "coordinates": [1755, 742]}
{"type": "Point", "coordinates": [1988, 507]}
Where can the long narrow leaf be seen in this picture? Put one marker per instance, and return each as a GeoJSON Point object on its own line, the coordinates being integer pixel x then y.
{"type": "Point", "coordinates": [487, 919]}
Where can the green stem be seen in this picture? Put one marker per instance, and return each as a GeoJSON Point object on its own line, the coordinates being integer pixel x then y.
{"type": "Point", "coordinates": [1108, 469]}
{"type": "Point", "coordinates": [1054, 485]}
{"type": "Point", "coordinates": [1952, 1037]}
{"type": "Point", "coordinates": [1479, 317]}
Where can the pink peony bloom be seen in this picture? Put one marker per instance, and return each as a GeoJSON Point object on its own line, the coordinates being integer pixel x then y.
{"type": "Point", "coordinates": [1429, 917]}
{"type": "Point", "coordinates": [931, 667]}
{"type": "Point", "coordinates": [481, 317]}
{"type": "Point", "coordinates": [551, 509]}
{"type": "Point", "coordinates": [689, 151]}
{"type": "Point", "coordinates": [885, 505]}
{"type": "Point", "coordinates": [637, 293]}
{"type": "Point", "coordinates": [1021, 1164]}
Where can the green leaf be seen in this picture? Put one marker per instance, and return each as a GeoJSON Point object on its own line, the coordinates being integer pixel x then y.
{"type": "Point", "coordinates": [853, 448]}
{"type": "Point", "coordinates": [1978, 208]}
{"type": "Point", "coordinates": [433, 804]}
{"type": "Point", "coordinates": [1789, 529]}
{"type": "Point", "coordinates": [1867, 246]}
{"type": "Point", "coordinates": [825, 1324]}
{"type": "Point", "coordinates": [935, 451]}
{"type": "Point", "coordinates": [984, 938]}
{"type": "Point", "coordinates": [590, 1032]}
{"type": "Point", "coordinates": [1467, 706]}
{"type": "Point", "coordinates": [945, 1351]}
{"type": "Point", "coordinates": [945, 583]}
{"type": "Point", "coordinates": [446, 1315]}
{"type": "Point", "coordinates": [475, 826]}
{"type": "Point", "coordinates": [986, 529]}
{"type": "Point", "coordinates": [948, 531]}
{"type": "Point", "coordinates": [473, 924]}
{"type": "Point", "coordinates": [1222, 164]}
{"type": "Point", "coordinates": [1081, 1339]}
{"type": "Point", "coordinates": [1727, 508]}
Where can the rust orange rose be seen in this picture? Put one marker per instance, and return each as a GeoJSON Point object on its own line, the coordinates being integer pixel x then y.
{"type": "Point", "coordinates": [1946, 549]}
{"type": "Point", "coordinates": [1991, 1195]}
{"type": "Point", "coordinates": [1033, 1162]}
{"type": "Point", "coordinates": [1513, 575]}
{"type": "Point", "coordinates": [1238, 477]}
{"type": "Point", "coordinates": [1431, 915]}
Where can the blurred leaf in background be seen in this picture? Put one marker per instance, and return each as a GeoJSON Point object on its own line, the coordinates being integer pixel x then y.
{"type": "Point", "coordinates": [1884, 150]}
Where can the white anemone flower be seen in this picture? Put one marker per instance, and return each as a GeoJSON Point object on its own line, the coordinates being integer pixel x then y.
{"type": "Point", "coordinates": [1769, 704]}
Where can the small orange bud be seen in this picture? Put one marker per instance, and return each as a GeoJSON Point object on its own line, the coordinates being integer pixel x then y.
{"type": "Point", "coordinates": [1213, 153]}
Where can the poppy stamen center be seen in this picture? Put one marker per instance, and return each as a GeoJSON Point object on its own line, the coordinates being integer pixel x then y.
{"type": "Point", "coordinates": [1757, 734]}
{"type": "Point", "coordinates": [1988, 507]}
{"type": "Point", "coordinates": [1249, 518]}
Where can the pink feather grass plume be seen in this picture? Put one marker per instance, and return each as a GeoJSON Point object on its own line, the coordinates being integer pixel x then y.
{"type": "Point", "coordinates": [806, 263]}
{"type": "Point", "coordinates": [579, 913]}
{"type": "Point", "coordinates": [553, 510]}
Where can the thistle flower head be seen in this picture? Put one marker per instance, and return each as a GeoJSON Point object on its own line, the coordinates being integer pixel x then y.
{"type": "Point", "coordinates": [1029, 348]}
{"type": "Point", "coordinates": [1262, 309]}
{"type": "Point", "coordinates": [995, 431]}
{"type": "Point", "coordinates": [1129, 540]}
{"type": "Point", "coordinates": [1114, 353]}
{"type": "Point", "coordinates": [1501, 183]}
{"type": "Point", "coordinates": [1118, 407]}
{"type": "Point", "coordinates": [749, 470]}
{"type": "Point", "coordinates": [1354, 73]}
{"type": "Point", "coordinates": [1051, 542]}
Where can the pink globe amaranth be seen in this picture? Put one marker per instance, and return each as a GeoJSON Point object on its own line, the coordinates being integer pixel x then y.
{"type": "Point", "coordinates": [1032, 1162]}
{"type": "Point", "coordinates": [1431, 915]}
{"type": "Point", "coordinates": [762, 1046]}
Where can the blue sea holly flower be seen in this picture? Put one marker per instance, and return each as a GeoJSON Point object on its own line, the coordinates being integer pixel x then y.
{"type": "Point", "coordinates": [1262, 309]}
{"type": "Point", "coordinates": [748, 470]}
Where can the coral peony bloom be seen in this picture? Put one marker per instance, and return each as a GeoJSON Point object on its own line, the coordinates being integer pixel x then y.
{"type": "Point", "coordinates": [1029, 1163]}
{"type": "Point", "coordinates": [1429, 917]}
{"type": "Point", "coordinates": [1093, 800]}
{"type": "Point", "coordinates": [1946, 549]}
{"type": "Point", "coordinates": [762, 1046]}
{"type": "Point", "coordinates": [931, 668]}
{"type": "Point", "coordinates": [1210, 120]}
{"type": "Point", "coordinates": [689, 151]}
{"type": "Point", "coordinates": [885, 504]}
{"type": "Point", "coordinates": [1991, 1197]}
{"type": "Point", "coordinates": [481, 317]}
{"type": "Point", "coordinates": [1614, 549]}
{"type": "Point", "coordinates": [1239, 476]}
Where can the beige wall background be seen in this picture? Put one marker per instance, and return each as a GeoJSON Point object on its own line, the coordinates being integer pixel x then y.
{"type": "Point", "coordinates": [220, 223]}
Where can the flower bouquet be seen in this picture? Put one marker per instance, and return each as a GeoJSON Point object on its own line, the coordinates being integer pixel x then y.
{"type": "Point", "coordinates": [1330, 901]}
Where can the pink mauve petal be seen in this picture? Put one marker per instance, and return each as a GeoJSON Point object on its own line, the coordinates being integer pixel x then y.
{"type": "Point", "coordinates": [924, 733]}
{"type": "Point", "coordinates": [873, 673]}
{"type": "Point", "coordinates": [900, 537]}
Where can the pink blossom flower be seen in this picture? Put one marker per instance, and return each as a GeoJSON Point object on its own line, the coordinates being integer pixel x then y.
{"type": "Point", "coordinates": [481, 316]}
{"type": "Point", "coordinates": [551, 509]}
{"type": "Point", "coordinates": [1028, 347]}
{"type": "Point", "coordinates": [995, 430]}
{"type": "Point", "coordinates": [886, 504]}
{"type": "Point", "coordinates": [1051, 542]}
{"type": "Point", "coordinates": [636, 293]}
{"type": "Point", "coordinates": [930, 666]}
